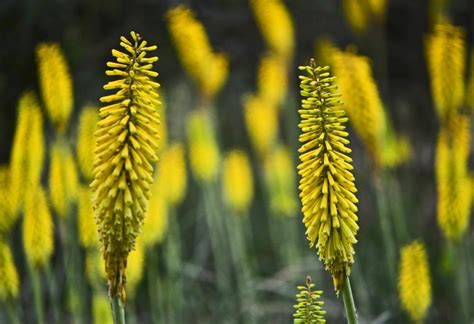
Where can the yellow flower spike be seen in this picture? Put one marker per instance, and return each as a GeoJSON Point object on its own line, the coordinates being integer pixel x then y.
{"type": "Point", "coordinates": [452, 177]}
{"type": "Point", "coordinates": [156, 222]}
{"type": "Point", "coordinates": [446, 54]}
{"type": "Point", "coordinates": [415, 281]}
{"type": "Point", "coordinates": [261, 119]}
{"type": "Point", "coordinates": [86, 140]}
{"type": "Point", "coordinates": [27, 155]}
{"type": "Point", "coordinates": [272, 79]}
{"type": "Point", "coordinates": [309, 306]}
{"type": "Point", "coordinates": [276, 26]}
{"type": "Point", "coordinates": [7, 218]}
{"type": "Point", "coordinates": [56, 84]}
{"type": "Point", "coordinates": [172, 173]}
{"type": "Point", "coordinates": [356, 14]}
{"type": "Point", "coordinates": [125, 151]}
{"type": "Point", "coordinates": [9, 285]}
{"type": "Point", "coordinates": [88, 235]}
{"type": "Point", "coordinates": [208, 69]}
{"type": "Point", "coordinates": [63, 179]}
{"type": "Point", "coordinates": [361, 100]}
{"type": "Point", "coordinates": [38, 234]}
{"type": "Point", "coordinates": [327, 188]}
{"type": "Point", "coordinates": [280, 179]}
{"type": "Point", "coordinates": [203, 148]}
{"type": "Point", "coordinates": [135, 267]}
{"type": "Point", "coordinates": [101, 309]}
{"type": "Point", "coordinates": [237, 181]}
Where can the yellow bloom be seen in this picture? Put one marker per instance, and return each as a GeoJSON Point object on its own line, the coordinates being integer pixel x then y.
{"type": "Point", "coordinates": [88, 235]}
{"type": "Point", "coordinates": [360, 12]}
{"type": "Point", "coordinates": [276, 26]}
{"type": "Point", "coordinates": [136, 261]}
{"type": "Point", "coordinates": [208, 69]}
{"type": "Point", "coordinates": [452, 177]}
{"type": "Point", "coordinates": [86, 140]}
{"type": "Point", "coordinates": [125, 149]}
{"type": "Point", "coordinates": [446, 54]}
{"type": "Point", "coordinates": [272, 79]}
{"type": "Point", "coordinates": [327, 188]}
{"type": "Point", "coordinates": [101, 309]}
{"type": "Point", "coordinates": [172, 173]}
{"type": "Point", "coordinates": [56, 84]}
{"type": "Point", "coordinates": [156, 222]}
{"type": "Point", "coordinates": [414, 281]}
{"type": "Point", "coordinates": [9, 285]}
{"type": "Point", "coordinates": [309, 308]}
{"type": "Point", "coordinates": [237, 181]}
{"type": "Point", "coordinates": [63, 178]}
{"type": "Point", "coordinates": [38, 239]}
{"type": "Point", "coordinates": [324, 48]}
{"type": "Point", "coordinates": [280, 179]}
{"type": "Point", "coordinates": [361, 100]}
{"type": "Point", "coordinates": [7, 218]}
{"type": "Point", "coordinates": [27, 155]}
{"type": "Point", "coordinates": [203, 149]}
{"type": "Point", "coordinates": [261, 119]}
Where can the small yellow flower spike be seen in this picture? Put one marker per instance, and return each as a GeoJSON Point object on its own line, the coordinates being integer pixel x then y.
{"type": "Point", "coordinates": [327, 188]}
{"type": "Point", "coordinates": [208, 69]}
{"type": "Point", "coordinates": [203, 149]}
{"type": "Point", "coordinates": [452, 177]}
{"type": "Point", "coordinates": [261, 119]}
{"type": "Point", "coordinates": [172, 173]}
{"type": "Point", "coordinates": [9, 285]}
{"type": "Point", "coordinates": [280, 179]}
{"type": "Point", "coordinates": [27, 155]}
{"type": "Point", "coordinates": [125, 150]}
{"type": "Point", "coordinates": [86, 140]}
{"type": "Point", "coordinates": [237, 181]}
{"type": "Point", "coordinates": [272, 80]}
{"type": "Point", "coordinates": [38, 240]}
{"type": "Point", "coordinates": [309, 308]}
{"type": "Point", "coordinates": [56, 84]}
{"type": "Point", "coordinates": [156, 223]}
{"type": "Point", "coordinates": [276, 26]}
{"type": "Point", "coordinates": [63, 178]}
{"type": "Point", "coordinates": [446, 55]}
{"type": "Point", "coordinates": [88, 235]}
{"type": "Point", "coordinates": [362, 101]}
{"type": "Point", "coordinates": [414, 281]}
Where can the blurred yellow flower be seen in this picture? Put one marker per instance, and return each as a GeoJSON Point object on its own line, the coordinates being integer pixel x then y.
{"type": "Point", "coordinates": [95, 267]}
{"type": "Point", "coordinates": [276, 26]}
{"type": "Point", "coordinates": [172, 173]}
{"type": "Point", "coordinates": [7, 218]}
{"type": "Point", "coordinates": [27, 157]}
{"type": "Point", "coordinates": [101, 309]}
{"type": "Point", "coordinates": [86, 140]}
{"type": "Point", "coordinates": [136, 261]}
{"type": "Point", "coordinates": [208, 69]}
{"type": "Point", "coordinates": [88, 235]}
{"type": "Point", "coordinates": [55, 83]}
{"type": "Point", "coordinates": [415, 281]}
{"type": "Point", "coordinates": [360, 12]}
{"type": "Point", "coordinates": [261, 119]}
{"type": "Point", "coordinates": [452, 177]}
{"type": "Point", "coordinates": [10, 284]}
{"type": "Point", "coordinates": [38, 238]}
{"type": "Point", "coordinates": [203, 149]}
{"type": "Point", "coordinates": [446, 55]}
{"type": "Point", "coordinates": [63, 178]}
{"type": "Point", "coordinates": [272, 80]}
{"type": "Point", "coordinates": [237, 181]}
{"type": "Point", "coordinates": [156, 220]}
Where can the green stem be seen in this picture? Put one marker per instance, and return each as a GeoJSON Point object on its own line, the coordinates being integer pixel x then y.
{"type": "Point", "coordinates": [11, 312]}
{"type": "Point", "coordinates": [118, 310]}
{"type": "Point", "coordinates": [38, 299]}
{"type": "Point", "coordinates": [349, 304]}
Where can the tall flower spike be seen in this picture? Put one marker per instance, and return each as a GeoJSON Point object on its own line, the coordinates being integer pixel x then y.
{"type": "Point", "coordinates": [272, 79]}
{"type": "Point", "coordinates": [85, 139]}
{"type": "Point", "coordinates": [327, 188]}
{"type": "Point", "coordinates": [172, 173]}
{"type": "Point", "coordinates": [414, 281]}
{"type": "Point", "coordinates": [56, 84]}
{"type": "Point", "coordinates": [125, 151]}
{"type": "Point", "coordinates": [309, 308]}
{"type": "Point", "coordinates": [237, 181]}
{"type": "Point", "coordinates": [446, 55]}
